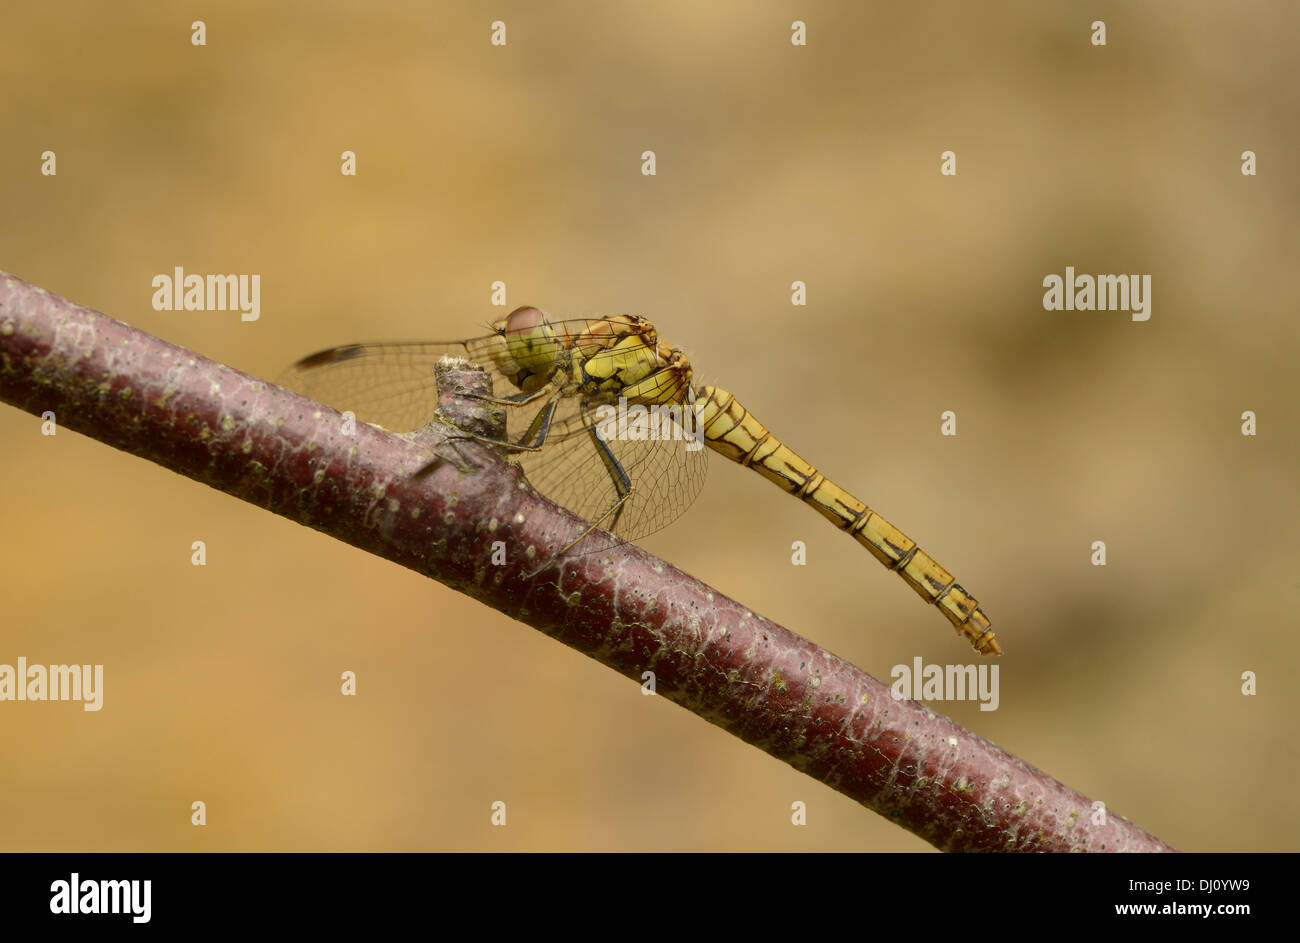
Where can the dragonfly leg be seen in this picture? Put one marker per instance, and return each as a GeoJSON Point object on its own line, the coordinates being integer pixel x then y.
{"type": "Point", "coordinates": [539, 429]}
{"type": "Point", "coordinates": [515, 399]}
{"type": "Point", "coordinates": [464, 466]}
{"type": "Point", "coordinates": [622, 485]}
{"type": "Point", "coordinates": [617, 475]}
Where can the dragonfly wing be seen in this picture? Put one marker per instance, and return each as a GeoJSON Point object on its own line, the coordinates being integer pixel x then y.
{"type": "Point", "coordinates": [389, 384]}
{"type": "Point", "coordinates": [392, 384]}
{"type": "Point", "coordinates": [666, 475]}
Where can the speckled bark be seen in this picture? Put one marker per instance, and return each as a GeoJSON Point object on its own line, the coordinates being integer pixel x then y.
{"type": "Point", "coordinates": [623, 607]}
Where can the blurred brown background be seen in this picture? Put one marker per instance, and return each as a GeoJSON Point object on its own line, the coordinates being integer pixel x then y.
{"type": "Point", "coordinates": [775, 163]}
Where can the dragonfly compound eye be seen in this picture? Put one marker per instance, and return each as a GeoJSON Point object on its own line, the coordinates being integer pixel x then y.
{"type": "Point", "coordinates": [523, 320]}
{"type": "Point", "coordinates": [530, 342]}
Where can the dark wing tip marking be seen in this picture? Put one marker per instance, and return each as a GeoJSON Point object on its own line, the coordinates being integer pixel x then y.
{"type": "Point", "coordinates": [333, 355]}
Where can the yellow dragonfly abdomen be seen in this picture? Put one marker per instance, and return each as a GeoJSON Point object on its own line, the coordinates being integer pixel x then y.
{"type": "Point", "coordinates": [731, 430]}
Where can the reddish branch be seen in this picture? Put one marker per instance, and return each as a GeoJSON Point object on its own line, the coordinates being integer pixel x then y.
{"type": "Point", "coordinates": [625, 608]}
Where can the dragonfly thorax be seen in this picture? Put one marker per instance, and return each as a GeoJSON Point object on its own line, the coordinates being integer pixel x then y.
{"type": "Point", "coordinates": [616, 357]}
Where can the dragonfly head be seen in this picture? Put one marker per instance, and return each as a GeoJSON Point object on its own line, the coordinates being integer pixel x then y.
{"type": "Point", "coordinates": [528, 349]}
{"type": "Point", "coordinates": [519, 321]}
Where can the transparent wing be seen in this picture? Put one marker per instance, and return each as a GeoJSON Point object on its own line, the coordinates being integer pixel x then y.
{"type": "Point", "coordinates": [665, 474]}
{"type": "Point", "coordinates": [392, 384]}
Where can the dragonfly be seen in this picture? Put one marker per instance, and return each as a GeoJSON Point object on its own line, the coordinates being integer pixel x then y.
{"type": "Point", "coordinates": [605, 419]}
